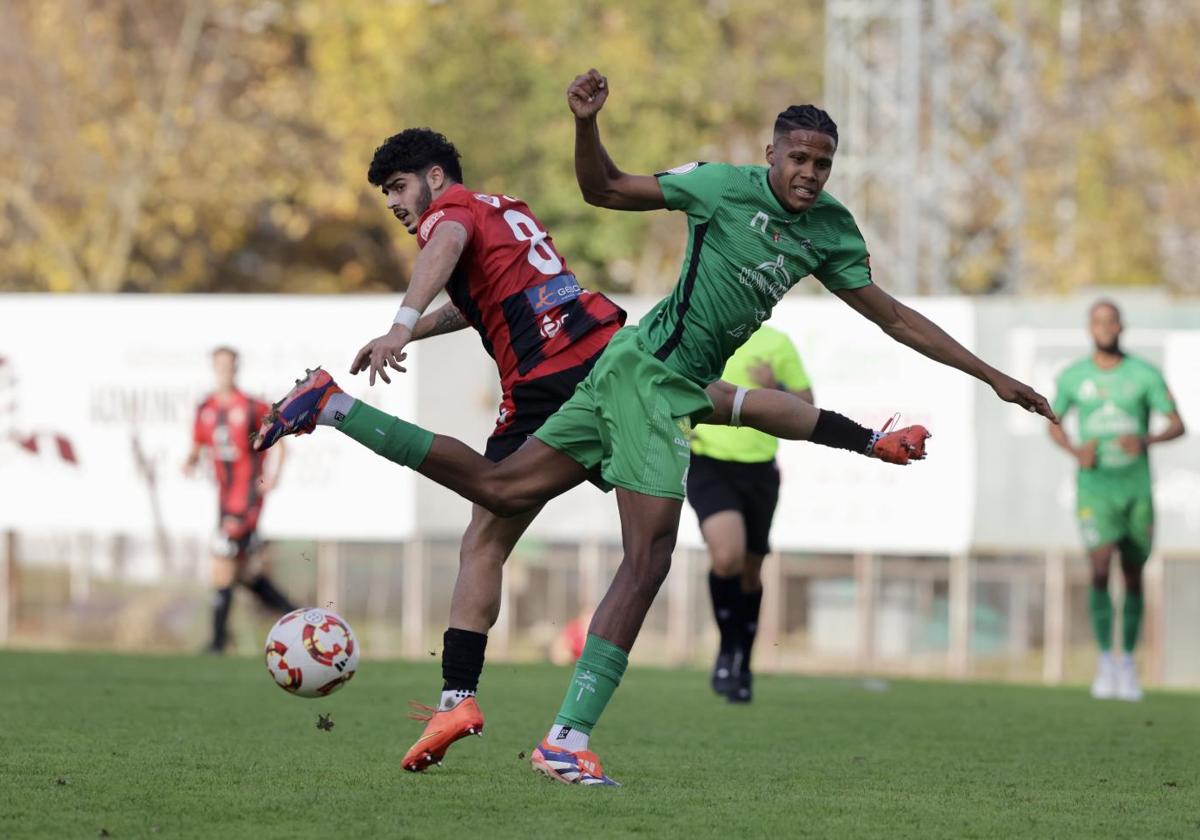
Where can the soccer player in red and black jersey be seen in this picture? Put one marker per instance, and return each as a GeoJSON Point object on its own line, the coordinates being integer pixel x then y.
{"type": "Point", "coordinates": [224, 422]}
{"type": "Point", "coordinates": [505, 279]}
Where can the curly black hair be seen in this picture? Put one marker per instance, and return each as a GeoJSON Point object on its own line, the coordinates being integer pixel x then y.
{"type": "Point", "coordinates": [414, 150]}
{"type": "Point", "coordinates": [806, 116]}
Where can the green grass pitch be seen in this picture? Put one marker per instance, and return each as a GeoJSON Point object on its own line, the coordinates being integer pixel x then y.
{"type": "Point", "coordinates": [191, 747]}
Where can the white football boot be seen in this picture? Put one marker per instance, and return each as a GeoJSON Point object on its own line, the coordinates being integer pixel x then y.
{"type": "Point", "coordinates": [1128, 687]}
{"type": "Point", "coordinates": [1104, 687]}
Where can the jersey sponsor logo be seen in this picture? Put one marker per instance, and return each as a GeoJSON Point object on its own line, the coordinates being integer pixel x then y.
{"type": "Point", "coordinates": [684, 438]}
{"type": "Point", "coordinates": [427, 225]}
{"type": "Point", "coordinates": [771, 278]}
{"type": "Point", "coordinates": [552, 293]}
{"type": "Point", "coordinates": [684, 168]}
{"type": "Point", "coordinates": [551, 326]}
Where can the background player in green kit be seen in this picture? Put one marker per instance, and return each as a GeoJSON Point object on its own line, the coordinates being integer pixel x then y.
{"type": "Point", "coordinates": [755, 233]}
{"type": "Point", "coordinates": [1114, 394]}
{"type": "Point", "coordinates": [733, 485]}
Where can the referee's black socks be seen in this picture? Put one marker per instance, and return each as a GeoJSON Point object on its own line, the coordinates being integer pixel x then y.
{"type": "Point", "coordinates": [726, 595]}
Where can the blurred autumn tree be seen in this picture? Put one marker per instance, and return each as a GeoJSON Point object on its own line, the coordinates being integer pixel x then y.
{"type": "Point", "coordinates": [1112, 194]}
{"type": "Point", "coordinates": [221, 145]}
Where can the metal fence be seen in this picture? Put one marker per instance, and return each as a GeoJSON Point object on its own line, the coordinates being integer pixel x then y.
{"type": "Point", "coordinates": [988, 615]}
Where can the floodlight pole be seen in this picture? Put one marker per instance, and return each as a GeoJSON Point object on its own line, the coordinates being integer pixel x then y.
{"type": "Point", "coordinates": [929, 96]}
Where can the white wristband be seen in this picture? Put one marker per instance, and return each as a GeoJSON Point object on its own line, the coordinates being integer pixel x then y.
{"type": "Point", "coordinates": [735, 416]}
{"type": "Point", "coordinates": [407, 316]}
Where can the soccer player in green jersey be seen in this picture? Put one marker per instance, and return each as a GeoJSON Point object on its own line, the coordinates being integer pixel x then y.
{"type": "Point", "coordinates": [630, 420]}
{"type": "Point", "coordinates": [733, 485]}
{"type": "Point", "coordinates": [1114, 394]}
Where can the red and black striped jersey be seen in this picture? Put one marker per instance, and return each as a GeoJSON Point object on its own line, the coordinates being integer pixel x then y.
{"type": "Point", "coordinates": [516, 290]}
{"type": "Point", "coordinates": [224, 425]}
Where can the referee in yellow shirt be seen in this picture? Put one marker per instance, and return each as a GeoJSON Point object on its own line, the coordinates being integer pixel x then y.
{"type": "Point", "coordinates": [733, 485]}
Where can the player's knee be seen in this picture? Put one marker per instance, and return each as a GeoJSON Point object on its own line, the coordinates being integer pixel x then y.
{"type": "Point", "coordinates": [1099, 580]}
{"type": "Point", "coordinates": [496, 494]}
{"type": "Point", "coordinates": [727, 563]}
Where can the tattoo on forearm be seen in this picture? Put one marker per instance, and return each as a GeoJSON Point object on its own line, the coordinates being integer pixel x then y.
{"type": "Point", "coordinates": [447, 319]}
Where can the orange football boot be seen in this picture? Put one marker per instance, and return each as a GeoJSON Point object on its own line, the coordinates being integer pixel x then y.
{"type": "Point", "coordinates": [899, 446]}
{"type": "Point", "coordinates": [442, 728]}
{"type": "Point", "coordinates": [571, 767]}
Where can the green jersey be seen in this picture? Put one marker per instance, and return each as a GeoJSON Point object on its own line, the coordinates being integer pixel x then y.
{"type": "Point", "coordinates": [1112, 403]}
{"type": "Point", "coordinates": [745, 250]}
{"type": "Point", "coordinates": [745, 445]}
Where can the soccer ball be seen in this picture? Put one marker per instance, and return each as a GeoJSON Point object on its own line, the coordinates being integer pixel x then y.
{"type": "Point", "coordinates": [311, 652]}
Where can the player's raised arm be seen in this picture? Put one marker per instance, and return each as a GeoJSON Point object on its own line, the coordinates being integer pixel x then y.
{"type": "Point", "coordinates": [907, 326]}
{"type": "Point", "coordinates": [431, 272]}
{"type": "Point", "coordinates": [600, 180]}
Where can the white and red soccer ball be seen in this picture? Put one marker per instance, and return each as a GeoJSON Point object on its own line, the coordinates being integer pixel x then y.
{"type": "Point", "coordinates": [311, 652]}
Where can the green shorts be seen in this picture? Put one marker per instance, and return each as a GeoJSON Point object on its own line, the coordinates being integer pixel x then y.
{"type": "Point", "coordinates": [1125, 519]}
{"type": "Point", "coordinates": [631, 417]}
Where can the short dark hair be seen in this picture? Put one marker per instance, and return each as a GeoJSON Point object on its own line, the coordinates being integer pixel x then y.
{"type": "Point", "coordinates": [805, 117]}
{"type": "Point", "coordinates": [1110, 303]}
{"type": "Point", "coordinates": [224, 348]}
{"type": "Point", "coordinates": [414, 150]}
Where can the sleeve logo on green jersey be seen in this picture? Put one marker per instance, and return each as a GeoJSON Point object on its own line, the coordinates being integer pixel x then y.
{"type": "Point", "coordinates": [684, 169]}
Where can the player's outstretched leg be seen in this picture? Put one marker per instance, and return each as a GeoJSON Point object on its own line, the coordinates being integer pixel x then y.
{"type": "Point", "coordinates": [474, 608]}
{"type": "Point", "coordinates": [786, 416]}
{"type": "Point", "coordinates": [648, 529]}
{"type": "Point", "coordinates": [532, 475]}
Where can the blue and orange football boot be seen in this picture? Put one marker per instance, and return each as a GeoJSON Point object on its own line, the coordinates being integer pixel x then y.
{"type": "Point", "coordinates": [899, 446]}
{"type": "Point", "coordinates": [579, 767]}
{"type": "Point", "coordinates": [296, 413]}
{"type": "Point", "coordinates": [442, 728]}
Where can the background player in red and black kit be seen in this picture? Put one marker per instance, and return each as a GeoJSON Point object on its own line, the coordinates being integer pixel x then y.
{"type": "Point", "coordinates": [224, 422]}
{"type": "Point", "coordinates": [506, 280]}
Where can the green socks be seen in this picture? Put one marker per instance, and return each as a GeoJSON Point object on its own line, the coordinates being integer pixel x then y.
{"type": "Point", "coordinates": [1101, 607]}
{"type": "Point", "coordinates": [1131, 620]}
{"type": "Point", "coordinates": [391, 437]}
{"type": "Point", "coordinates": [597, 675]}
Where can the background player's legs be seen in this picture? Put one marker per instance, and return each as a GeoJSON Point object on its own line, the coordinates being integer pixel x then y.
{"type": "Point", "coordinates": [224, 576]}
{"type": "Point", "coordinates": [752, 594]}
{"type": "Point", "coordinates": [255, 576]}
{"type": "Point", "coordinates": [475, 604]}
{"type": "Point", "coordinates": [725, 536]}
{"type": "Point", "coordinates": [1132, 563]}
{"type": "Point", "coordinates": [1134, 551]}
{"type": "Point", "coordinates": [1101, 608]}
{"type": "Point", "coordinates": [1099, 601]}
{"type": "Point", "coordinates": [649, 525]}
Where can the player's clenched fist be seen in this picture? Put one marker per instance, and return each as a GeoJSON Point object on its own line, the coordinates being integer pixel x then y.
{"type": "Point", "coordinates": [587, 93]}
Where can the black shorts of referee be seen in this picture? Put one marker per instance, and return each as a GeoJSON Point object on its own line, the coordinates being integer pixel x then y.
{"type": "Point", "coordinates": [752, 490]}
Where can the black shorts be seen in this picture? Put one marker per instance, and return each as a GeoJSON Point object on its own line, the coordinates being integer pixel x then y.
{"type": "Point", "coordinates": [246, 540]}
{"type": "Point", "coordinates": [750, 489]}
{"type": "Point", "coordinates": [534, 401]}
